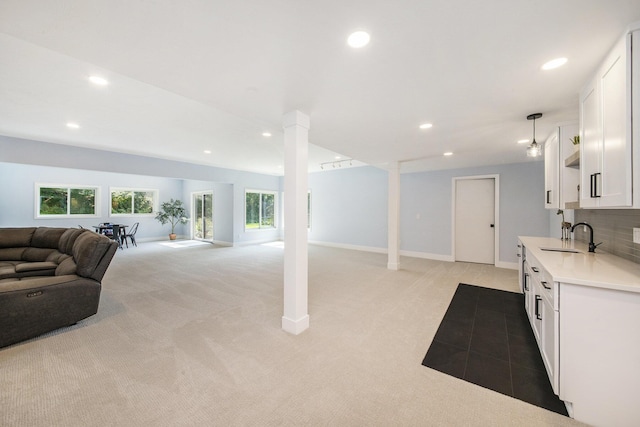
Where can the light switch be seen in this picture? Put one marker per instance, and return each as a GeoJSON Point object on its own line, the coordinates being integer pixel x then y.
{"type": "Point", "coordinates": [636, 235]}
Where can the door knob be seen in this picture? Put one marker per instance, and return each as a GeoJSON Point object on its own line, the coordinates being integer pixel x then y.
{"type": "Point", "coordinates": [492, 225]}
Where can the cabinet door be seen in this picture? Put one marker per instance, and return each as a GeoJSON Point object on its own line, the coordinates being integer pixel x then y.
{"type": "Point", "coordinates": [548, 340]}
{"type": "Point", "coordinates": [615, 82]}
{"type": "Point", "coordinates": [590, 146]}
{"type": "Point", "coordinates": [552, 172]}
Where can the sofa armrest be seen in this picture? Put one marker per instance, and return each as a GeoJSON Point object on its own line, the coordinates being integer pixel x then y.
{"type": "Point", "coordinates": [35, 266]}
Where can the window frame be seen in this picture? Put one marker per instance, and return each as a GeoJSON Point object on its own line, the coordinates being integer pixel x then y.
{"type": "Point", "coordinates": [38, 186]}
{"type": "Point", "coordinates": [156, 202]}
{"type": "Point", "coordinates": [275, 210]}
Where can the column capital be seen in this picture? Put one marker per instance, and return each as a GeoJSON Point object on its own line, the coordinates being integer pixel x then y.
{"type": "Point", "coordinates": [296, 118]}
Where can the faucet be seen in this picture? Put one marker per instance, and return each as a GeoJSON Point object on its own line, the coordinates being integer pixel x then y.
{"type": "Point", "coordinates": [592, 247]}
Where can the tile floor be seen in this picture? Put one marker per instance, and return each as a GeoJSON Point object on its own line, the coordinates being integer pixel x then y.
{"type": "Point", "coordinates": [485, 338]}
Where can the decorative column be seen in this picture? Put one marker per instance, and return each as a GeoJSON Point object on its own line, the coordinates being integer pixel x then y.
{"type": "Point", "coordinates": [393, 226]}
{"type": "Point", "coordinates": [296, 152]}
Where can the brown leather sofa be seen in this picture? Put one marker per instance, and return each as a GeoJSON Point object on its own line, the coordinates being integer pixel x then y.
{"type": "Point", "coordinates": [49, 278]}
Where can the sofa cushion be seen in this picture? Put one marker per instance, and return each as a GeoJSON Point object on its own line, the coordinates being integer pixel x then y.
{"type": "Point", "coordinates": [68, 266]}
{"type": "Point", "coordinates": [47, 237]}
{"type": "Point", "coordinates": [88, 250]}
{"type": "Point", "coordinates": [57, 257]}
{"type": "Point", "coordinates": [36, 254]}
{"type": "Point", "coordinates": [68, 238]}
{"type": "Point", "coordinates": [16, 237]}
{"type": "Point", "coordinates": [11, 254]}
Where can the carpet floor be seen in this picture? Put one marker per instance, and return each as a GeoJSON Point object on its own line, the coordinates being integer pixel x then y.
{"type": "Point", "coordinates": [485, 338]}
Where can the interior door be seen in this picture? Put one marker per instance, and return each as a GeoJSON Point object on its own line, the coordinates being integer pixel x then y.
{"type": "Point", "coordinates": [203, 216]}
{"type": "Point", "coordinates": [475, 220]}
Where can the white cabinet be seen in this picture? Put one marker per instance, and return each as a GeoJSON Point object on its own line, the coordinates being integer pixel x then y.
{"type": "Point", "coordinates": [606, 133]}
{"type": "Point", "coordinates": [599, 354]}
{"type": "Point", "coordinates": [561, 182]}
{"type": "Point", "coordinates": [552, 172]}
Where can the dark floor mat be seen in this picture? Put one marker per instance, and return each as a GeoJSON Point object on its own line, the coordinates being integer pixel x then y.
{"type": "Point", "coordinates": [485, 338]}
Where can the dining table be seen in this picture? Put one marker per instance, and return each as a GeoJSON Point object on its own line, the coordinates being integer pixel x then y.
{"type": "Point", "coordinates": [104, 229]}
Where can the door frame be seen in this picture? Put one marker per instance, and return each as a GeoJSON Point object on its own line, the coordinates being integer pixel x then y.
{"type": "Point", "coordinates": [496, 192]}
{"type": "Point", "coordinates": [193, 215]}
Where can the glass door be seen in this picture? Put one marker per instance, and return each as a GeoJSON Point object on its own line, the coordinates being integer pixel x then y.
{"type": "Point", "coordinates": [203, 216]}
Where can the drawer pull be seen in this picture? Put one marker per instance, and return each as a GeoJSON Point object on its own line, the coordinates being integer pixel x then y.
{"type": "Point", "coordinates": [544, 284]}
{"type": "Point", "coordinates": [535, 270]}
{"type": "Point", "coordinates": [537, 310]}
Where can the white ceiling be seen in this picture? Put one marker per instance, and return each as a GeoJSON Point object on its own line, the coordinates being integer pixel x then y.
{"type": "Point", "coordinates": [187, 76]}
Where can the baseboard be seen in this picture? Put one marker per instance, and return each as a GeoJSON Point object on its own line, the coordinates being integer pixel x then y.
{"type": "Point", "coordinates": [426, 255]}
{"type": "Point", "coordinates": [508, 265]}
{"type": "Point", "coordinates": [222, 243]}
{"type": "Point", "coordinates": [348, 246]}
{"type": "Point", "coordinates": [295, 327]}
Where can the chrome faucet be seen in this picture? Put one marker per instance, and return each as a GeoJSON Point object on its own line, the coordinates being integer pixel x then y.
{"type": "Point", "coordinates": [592, 246]}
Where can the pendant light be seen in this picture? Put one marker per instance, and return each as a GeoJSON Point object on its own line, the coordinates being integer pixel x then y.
{"type": "Point", "coordinates": [534, 150]}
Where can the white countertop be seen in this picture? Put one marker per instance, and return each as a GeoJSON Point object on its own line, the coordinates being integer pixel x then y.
{"type": "Point", "coordinates": [598, 269]}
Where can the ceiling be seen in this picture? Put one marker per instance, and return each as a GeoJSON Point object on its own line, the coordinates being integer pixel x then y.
{"type": "Point", "coordinates": [198, 75]}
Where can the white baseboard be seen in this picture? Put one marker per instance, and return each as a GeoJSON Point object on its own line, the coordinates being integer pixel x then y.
{"type": "Point", "coordinates": [426, 255]}
{"type": "Point", "coordinates": [348, 246]}
{"type": "Point", "coordinates": [509, 265]}
{"type": "Point", "coordinates": [295, 327]}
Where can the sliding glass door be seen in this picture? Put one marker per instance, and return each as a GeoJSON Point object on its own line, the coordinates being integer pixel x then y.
{"type": "Point", "coordinates": [203, 216]}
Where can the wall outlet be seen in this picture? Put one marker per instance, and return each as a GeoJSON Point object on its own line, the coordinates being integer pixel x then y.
{"type": "Point", "coordinates": [636, 235]}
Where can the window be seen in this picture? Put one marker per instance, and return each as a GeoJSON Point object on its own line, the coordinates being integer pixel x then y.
{"type": "Point", "coordinates": [260, 209]}
{"type": "Point", "coordinates": [133, 201]}
{"type": "Point", "coordinates": [65, 201]}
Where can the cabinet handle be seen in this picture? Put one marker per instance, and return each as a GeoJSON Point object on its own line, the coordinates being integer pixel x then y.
{"type": "Point", "coordinates": [544, 285]}
{"type": "Point", "coordinates": [537, 310]}
{"type": "Point", "coordinates": [548, 196]}
{"type": "Point", "coordinates": [535, 270]}
{"type": "Point", "coordinates": [526, 281]}
{"type": "Point", "coordinates": [594, 185]}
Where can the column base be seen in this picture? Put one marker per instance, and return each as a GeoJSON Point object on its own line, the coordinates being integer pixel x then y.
{"type": "Point", "coordinates": [295, 327]}
{"type": "Point", "coordinates": [393, 266]}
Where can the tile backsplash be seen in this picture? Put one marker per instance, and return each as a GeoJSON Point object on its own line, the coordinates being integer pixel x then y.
{"type": "Point", "coordinates": [612, 227]}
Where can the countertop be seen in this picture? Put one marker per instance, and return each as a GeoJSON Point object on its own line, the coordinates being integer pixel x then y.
{"type": "Point", "coordinates": [598, 269]}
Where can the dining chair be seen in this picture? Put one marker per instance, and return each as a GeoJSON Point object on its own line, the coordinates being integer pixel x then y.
{"type": "Point", "coordinates": [131, 235]}
{"type": "Point", "coordinates": [115, 235]}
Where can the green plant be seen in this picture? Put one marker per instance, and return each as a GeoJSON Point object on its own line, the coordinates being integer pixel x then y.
{"type": "Point", "coordinates": [172, 212]}
{"type": "Point", "coordinates": [575, 140]}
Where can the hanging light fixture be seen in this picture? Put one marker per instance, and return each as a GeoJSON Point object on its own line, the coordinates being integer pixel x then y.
{"type": "Point", "coordinates": [534, 150]}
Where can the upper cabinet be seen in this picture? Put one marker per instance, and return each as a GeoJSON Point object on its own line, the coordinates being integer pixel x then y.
{"type": "Point", "coordinates": [606, 136]}
{"type": "Point", "coordinates": [561, 173]}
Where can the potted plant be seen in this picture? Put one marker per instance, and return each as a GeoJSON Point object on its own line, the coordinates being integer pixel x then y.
{"type": "Point", "coordinates": [172, 212]}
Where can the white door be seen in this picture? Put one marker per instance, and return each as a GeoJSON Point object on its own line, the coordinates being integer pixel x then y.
{"type": "Point", "coordinates": [475, 220]}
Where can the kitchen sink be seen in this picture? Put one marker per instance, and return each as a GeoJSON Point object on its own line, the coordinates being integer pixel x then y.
{"type": "Point", "coordinates": [572, 251]}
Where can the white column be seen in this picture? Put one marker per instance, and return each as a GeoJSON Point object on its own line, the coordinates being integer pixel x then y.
{"type": "Point", "coordinates": [394, 217]}
{"type": "Point", "coordinates": [296, 136]}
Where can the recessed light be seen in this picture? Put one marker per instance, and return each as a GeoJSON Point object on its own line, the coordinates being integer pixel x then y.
{"type": "Point", "coordinates": [448, 153]}
{"type": "Point", "coordinates": [266, 134]}
{"type": "Point", "coordinates": [207, 151]}
{"type": "Point", "coordinates": [426, 126]}
{"type": "Point", "coordinates": [338, 157]}
{"type": "Point", "coordinates": [554, 63]}
{"type": "Point", "coordinates": [523, 141]}
{"type": "Point", "coordinates": [358, 39]}
{"type": "Point", "coordinates": [72, 125]}
{"type": "Point", "coordinates": [97, 80]}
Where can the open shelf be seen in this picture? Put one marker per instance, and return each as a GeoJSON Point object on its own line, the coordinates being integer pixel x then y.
{"type": "Point", "coordinates": [573, 161]}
